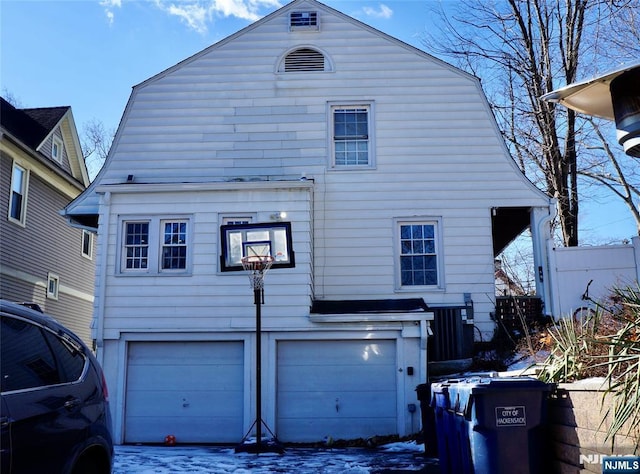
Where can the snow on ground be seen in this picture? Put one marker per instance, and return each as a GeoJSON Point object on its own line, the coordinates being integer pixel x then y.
{"type": "Point", "coordinates": [399, 457]}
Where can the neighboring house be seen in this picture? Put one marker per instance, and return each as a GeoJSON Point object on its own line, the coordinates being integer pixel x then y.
{"type": "Point", "coordinates": [399, 191]}
{"type": "Point", "coordinates": [43, 260]}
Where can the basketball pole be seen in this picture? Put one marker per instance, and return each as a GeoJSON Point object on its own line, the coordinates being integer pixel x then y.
{"type": "Point", "coordinates": [257, 267]}
{"type": "Point", "coordinates": [257, 300]}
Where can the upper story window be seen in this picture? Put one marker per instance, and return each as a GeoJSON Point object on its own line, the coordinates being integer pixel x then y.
{"type": "Point", "coordinates": [351, 136]}
{"type": "Point", "coordinates": [155, 245]}
{"type": "Point", "coordinates": [304, 20]}
{"type": "Point", "coordinates": [87, 244]}
{"type": "Point", "coordinates": [136, 245]}
{"type": "Point", "coordinates": [419, 254]}
{"type": "Point", "coordinates": [53, 283]}
{"type": "Point", "coordinates": [18, 198]}
{"type": "Point", "coordinates": [56, 149]}
{"type": "Point", "coordinates": [174, 245]}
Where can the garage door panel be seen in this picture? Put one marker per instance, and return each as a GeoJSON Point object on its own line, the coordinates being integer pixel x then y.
{"type": "Point", "coordinates": [299, 378]}
{"type": "Point", "coordinates": [344, 389]}
{"type": "Point", "coordinates": [187, 404]}
{"type": "Point", "coordinates": [170, 376]}
{"type": "Point", "coordinates": [336, 353]}
{"type": "Point", "coordinates": [186, 430]}
{"type": "Point", "coordinates": [193, 390]}
{"type": "Point", "coordinates": [334, 404]}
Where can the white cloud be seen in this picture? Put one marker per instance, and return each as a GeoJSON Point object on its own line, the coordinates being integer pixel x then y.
{"type": "Point", "coordinates": [193, 15]}
{"type": "Point", "coordinates": [197, 14]}
{"type": "Point", "coordinates": [109, 6]}
{"type": "Point", "coordinates": [382, 12]}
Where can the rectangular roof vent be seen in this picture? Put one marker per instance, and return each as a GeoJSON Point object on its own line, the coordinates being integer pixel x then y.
{"type": "Point", "coordinates": [304, 21]}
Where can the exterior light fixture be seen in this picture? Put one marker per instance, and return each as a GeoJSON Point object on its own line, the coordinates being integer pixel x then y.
{"type": "Point", "coordinates": [612, 96]}
{"type": "Point", "coordinates": [278, 216]}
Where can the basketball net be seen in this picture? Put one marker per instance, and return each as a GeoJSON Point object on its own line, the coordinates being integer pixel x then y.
{"type": "Point", "coordinates": [257, 266]}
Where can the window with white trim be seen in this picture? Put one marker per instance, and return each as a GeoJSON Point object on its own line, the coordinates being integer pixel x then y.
{"type": "Point", "coordinates": [419, 255]}
{"type": "Point", "coordinates": [351, 137]}
{"type": "Point", "coordinates": [57, 146]}
{"type": "Point", "coordinates": [174, 245]}
{"type": "Point", "coordinates": [156, 245]}
{"type": "Point", "coordinates": [53, 283]}
{"type": "Point", "coordinates": [18, 198]}
{"type": "Point", "coordinates": [136, 245]}
{"type": "Point", "coordinates": [87, 244]}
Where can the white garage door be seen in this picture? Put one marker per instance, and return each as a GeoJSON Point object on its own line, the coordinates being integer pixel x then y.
{"type": "Point", "coordinates": [192, 390]}
{"type": "Point", "coordinates": [342, 389]}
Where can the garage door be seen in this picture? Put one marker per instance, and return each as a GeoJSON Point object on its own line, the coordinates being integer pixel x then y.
{"type": "Point", "coordinates": [342, 389]}
{"type": "Point", "coordinates": [192, 390]}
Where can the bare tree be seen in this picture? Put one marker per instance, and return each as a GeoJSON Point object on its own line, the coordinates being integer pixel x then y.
{"type": "Point", "coordinates": [523, 49]}
{"type": "Point", "coordinates": [609, 167]}
{"type": "Point", "coordinates": [96, 141]}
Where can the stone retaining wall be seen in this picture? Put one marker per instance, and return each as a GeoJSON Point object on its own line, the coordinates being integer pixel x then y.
{"type": "Point", "coordinates": [578, 437]}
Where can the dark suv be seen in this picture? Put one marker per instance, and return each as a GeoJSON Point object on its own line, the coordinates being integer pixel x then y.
{"type": "Point", "coordinates": [54, 415]}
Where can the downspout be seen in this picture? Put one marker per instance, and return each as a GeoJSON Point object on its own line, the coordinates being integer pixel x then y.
{"type": "Point", "coordinates": [98, 319]}
{"type": "Point", "coordinates": [543, 251]}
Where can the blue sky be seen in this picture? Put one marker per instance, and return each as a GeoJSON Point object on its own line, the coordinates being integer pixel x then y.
{"type": "Point", "coordinates": [89, 54]}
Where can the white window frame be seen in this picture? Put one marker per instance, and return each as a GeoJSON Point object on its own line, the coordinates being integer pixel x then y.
{"type": "Point", "coordinates": [228, 219]}
{"type": "Point", "coordinates": [87, 237]}
{"type": "Point", "coordinates": [154, 245]}
{"type": "Point", "coordinates": [53, 286]}
{"type": "Point", "coordinates": [370, 140]}
{"type": "Point", "coordinates": [436, 222]}
{"type": "Point", "coordinates": [173, 245]}
{"type": "Point", "coordinates": [59, 144]}
{"type": "Point", "coordinates": [22, 192]}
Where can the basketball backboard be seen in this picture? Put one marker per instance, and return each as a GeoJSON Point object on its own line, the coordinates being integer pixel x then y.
{"type": "Point", "coordinates": [256, 239]}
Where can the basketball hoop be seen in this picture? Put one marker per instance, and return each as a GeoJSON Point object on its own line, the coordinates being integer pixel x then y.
{"type": "Point", "coordinates": [257, 266]}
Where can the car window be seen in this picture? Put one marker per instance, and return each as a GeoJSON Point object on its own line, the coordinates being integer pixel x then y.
{"type": "Point", "coordinates": [27, 360]}
{"type": "Point", "coordinates": [69, 356]}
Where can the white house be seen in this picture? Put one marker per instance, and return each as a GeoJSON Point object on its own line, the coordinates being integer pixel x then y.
{"type": "Point", "coordinates": [399, 192]}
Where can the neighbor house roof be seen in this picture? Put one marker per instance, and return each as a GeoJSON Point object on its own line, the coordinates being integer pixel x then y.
{"type": "Point", "coordinates": [30, 126]}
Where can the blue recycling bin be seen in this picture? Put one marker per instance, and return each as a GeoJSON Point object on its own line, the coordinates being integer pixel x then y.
{"type": "Point", "coordinates": [492, 425]}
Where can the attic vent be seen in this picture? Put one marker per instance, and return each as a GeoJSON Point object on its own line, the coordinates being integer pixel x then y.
{"type": "Point", "coordinates": [304, 59]}
{"type": "Point", "coordinates": [304, 21]}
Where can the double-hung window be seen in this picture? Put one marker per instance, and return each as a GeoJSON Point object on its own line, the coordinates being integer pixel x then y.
{"type": "Point", "coordinates": [419, 254]}
{"type": "Point", "coordinates": [136, 245]}
{"type": "Point", "coordinates": [351, 136]}
{"type": "Point", "coordinates": [155, 245]}
{"type": "Point", "coordinates": [174, 245]}
{"type": "Point", "coordinates": [18, 198]}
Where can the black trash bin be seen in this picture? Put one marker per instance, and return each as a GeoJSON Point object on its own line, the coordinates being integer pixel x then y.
{"type": "Point", "coordinates": [492, 425]}
{"type": "Point", "coordinates": [428, 420]}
